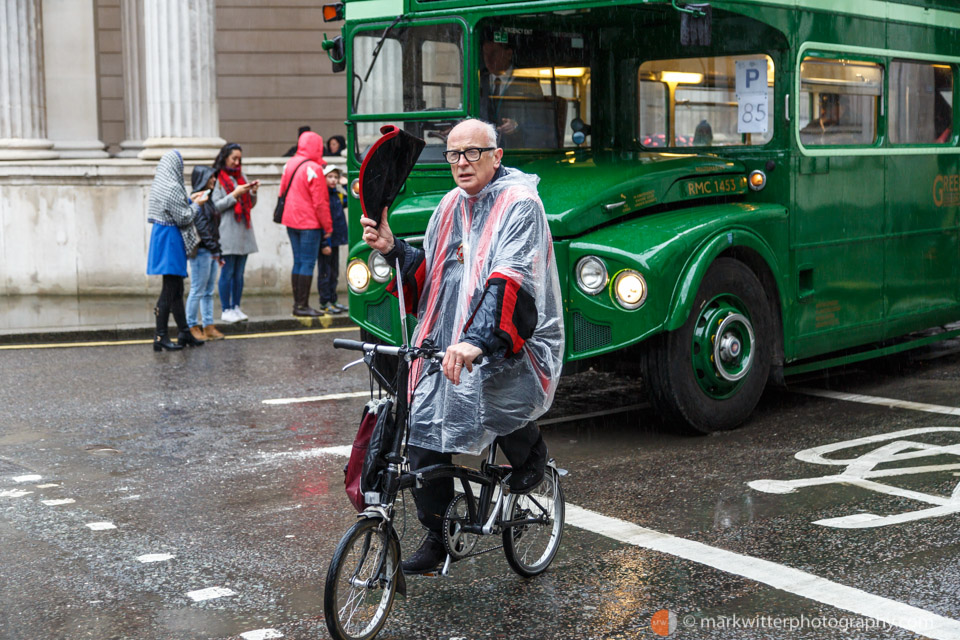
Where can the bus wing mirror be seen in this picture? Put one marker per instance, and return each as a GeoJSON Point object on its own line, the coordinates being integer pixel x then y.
{"type": "Point", "coordinates": [335, 52]}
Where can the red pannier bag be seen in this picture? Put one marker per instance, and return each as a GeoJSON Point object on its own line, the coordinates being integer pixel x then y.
{"type": "Point", "coordinates": [354, 469]}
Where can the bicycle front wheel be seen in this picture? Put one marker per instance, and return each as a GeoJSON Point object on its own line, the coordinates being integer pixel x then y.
{"type": "Point", "coordinates": [361, 581]}
{"type": "Point", "coordinates": [531, 546]}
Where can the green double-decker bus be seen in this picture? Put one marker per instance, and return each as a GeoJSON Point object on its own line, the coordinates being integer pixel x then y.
{"type": "Point", "coordinates": [738, 190]}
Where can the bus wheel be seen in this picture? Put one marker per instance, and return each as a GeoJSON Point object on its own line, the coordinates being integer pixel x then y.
{"type": "Point", "coordinates": [708, 374]}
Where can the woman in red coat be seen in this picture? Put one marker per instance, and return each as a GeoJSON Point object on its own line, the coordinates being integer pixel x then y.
{"type": "Point", "coordinates": [306, 215]}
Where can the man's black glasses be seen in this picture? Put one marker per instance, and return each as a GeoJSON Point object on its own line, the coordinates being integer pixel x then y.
{"type": "Point", "coordinates": [472, 154]}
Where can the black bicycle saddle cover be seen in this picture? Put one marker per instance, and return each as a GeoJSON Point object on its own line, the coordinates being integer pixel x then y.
{"type": "Point", "coordinates": [386, 165]}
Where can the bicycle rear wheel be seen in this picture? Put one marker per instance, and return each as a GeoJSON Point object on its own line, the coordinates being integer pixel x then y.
{"type": "Point", "coordinates": [361, 581]}
{"type": "Point", "coordinates": [530, 547]}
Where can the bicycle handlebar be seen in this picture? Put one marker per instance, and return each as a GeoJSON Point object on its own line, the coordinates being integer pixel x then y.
{"type": "Point", "coordinates": [356, 345]}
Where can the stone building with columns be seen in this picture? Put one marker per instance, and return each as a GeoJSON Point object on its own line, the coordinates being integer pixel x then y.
{"type": "Point", "coordinates": [93, 92]}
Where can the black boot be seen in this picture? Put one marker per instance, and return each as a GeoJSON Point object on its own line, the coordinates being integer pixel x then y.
{"type": "Point", "coordinates": [527, 476]}
{"type": "Point", "coordinates": [301, 297]}
{"type": "Point", "coordinates": [161, 340]}
{"type": "Point", "coordinates": [428, 557]}
{"type": "Point", "coordinates": [185, 338]}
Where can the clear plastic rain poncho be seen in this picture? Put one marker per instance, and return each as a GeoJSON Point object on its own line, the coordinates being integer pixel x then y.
{"type": "Point", "coordinates": [499, 235]}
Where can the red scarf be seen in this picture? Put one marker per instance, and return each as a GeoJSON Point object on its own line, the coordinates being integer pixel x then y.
{"type": "Point", "coordinates": [241, 210]}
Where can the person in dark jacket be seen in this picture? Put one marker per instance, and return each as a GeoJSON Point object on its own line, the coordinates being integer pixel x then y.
{"type": "Point", "coordinates": [328, 262]}
{"type": "Point", "coordinates": [292, 151]}
{"type": "Point", "coordinates": [336, 146]}
{"type": "Point", "coordinates": [172, 239]}
{"type": "Point", "coordinates": [203, 267]}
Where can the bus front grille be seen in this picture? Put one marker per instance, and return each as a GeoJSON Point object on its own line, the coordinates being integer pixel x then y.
{"type": "Point", "coordinates": [588, 336]}
{"type": "Point", "coordinates": [381, 315]}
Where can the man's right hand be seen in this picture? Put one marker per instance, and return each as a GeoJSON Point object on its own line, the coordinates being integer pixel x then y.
{"type": "Point", "coordinates": [380, 238]}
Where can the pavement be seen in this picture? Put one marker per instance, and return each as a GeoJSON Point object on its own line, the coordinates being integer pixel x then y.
{"type": "Point", "coordinates": [55, 319]}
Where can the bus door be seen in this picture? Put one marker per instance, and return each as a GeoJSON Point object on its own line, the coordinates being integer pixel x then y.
{"type": "Point", "coordinates": [923, 194]}
{"type": "Point", "coordinates": [838, 222]}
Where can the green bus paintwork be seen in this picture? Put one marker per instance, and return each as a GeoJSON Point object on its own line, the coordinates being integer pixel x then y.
{"type": "Point", "coordinates": [856, 246]}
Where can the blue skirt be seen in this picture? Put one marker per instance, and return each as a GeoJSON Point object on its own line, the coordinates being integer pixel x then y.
{"type": "Point", "coordinates": [167, 255]}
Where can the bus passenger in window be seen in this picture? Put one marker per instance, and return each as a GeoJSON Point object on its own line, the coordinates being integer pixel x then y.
{"type": "Point", "coordinates": [823, 128]}
{"type": "Point", "coordinates": [703, 134]}
{"type": "Point", "coordinates": [943, 115]}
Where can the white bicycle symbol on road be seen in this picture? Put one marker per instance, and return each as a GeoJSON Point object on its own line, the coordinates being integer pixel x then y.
{"type": "Point", "coordinates": [862, 472]}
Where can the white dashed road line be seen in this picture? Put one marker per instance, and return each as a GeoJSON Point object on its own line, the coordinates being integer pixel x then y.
{"type": "Point", "coordinates": [101, 526]}
{"type": "Point", "coordinates": [876, 400]}
{"type": "Point", "coordinates": [210, 593]}
{"type": "Point", "coordinates": [332, 396]}
{"type": "Point", "coordinates": [155, 557]}
{"type": "Point", "coordinates": [261, 634]}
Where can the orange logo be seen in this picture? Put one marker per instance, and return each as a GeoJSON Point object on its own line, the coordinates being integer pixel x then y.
{"type": "Point", "coordinates": [664, 622]}
{"type": "Point", "coordinates": [946, 190]}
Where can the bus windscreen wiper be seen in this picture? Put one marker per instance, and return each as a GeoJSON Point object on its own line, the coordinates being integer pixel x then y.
{"type": "Point", "coordinates": [376, 53]}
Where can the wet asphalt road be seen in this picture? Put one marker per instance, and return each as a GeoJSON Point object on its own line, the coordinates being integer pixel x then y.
{"type": "Point", "coordinates": [180, 454]}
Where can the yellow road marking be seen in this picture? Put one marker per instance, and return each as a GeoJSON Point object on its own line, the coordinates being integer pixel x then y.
{"type": "Point", "coordinates": [116, 343]}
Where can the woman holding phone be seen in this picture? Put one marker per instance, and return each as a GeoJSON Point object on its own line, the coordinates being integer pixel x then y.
{"type": "Point", "coordinates": [233, 196]}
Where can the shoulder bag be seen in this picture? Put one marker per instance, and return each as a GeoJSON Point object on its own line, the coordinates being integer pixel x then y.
{"type": "Point", "coordinates": [278, 210]}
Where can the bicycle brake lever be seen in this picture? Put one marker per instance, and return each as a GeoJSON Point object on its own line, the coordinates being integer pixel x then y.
{"type": "Point", "coordinates": [351, 364]}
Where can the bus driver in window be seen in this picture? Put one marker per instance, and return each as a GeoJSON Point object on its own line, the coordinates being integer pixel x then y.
{"type": "Point", "coordinates": [498, 86]}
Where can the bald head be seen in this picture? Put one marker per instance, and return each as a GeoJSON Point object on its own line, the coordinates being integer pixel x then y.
{"type": "Point", "coordinates": [472, 177]}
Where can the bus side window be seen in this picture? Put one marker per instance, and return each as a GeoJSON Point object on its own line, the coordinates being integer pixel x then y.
{"type": "Point", "coordinates": [839, 102]}
{"type": "Point", "coordinates": [921, 103]}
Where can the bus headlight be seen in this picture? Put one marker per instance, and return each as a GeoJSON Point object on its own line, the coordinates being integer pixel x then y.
{"type": "Point", "coordinates": [358, 276]}
{"type": "Point", "coordinates": [355, 188]}
{"type": "Point", "coordinates": [630, 289]}
{"type": "Point", "coordinates": [379, 268]}
{"type": "Point", "coordinates": [591, 275]}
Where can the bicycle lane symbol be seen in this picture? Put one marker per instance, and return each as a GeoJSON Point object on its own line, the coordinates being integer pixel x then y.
{"type": "Point", "coordinates": [862, 472]}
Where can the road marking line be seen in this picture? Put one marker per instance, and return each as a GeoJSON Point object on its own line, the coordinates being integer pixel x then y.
{"type": "Point", "coordinates": [875, 400]}
{"type": "Point", "coordinates": [29, 478]}
{"type": "Point", "coordinates": [155, 557]}
{"type": "Point", "coordinates": [261, 634]}
{"type": "Point", "coordinates": [49, 485]}
{"type": "Point", "coordinates": [120, 343]}
{"type": "Point", "coordinates": [101, 526]}
{"type": "Point", "coordinates": [332, 396]}
{"type": "Point", "coordinates": [14, 493]}
{"type": "Point", "coordinates": [778, 576]}
{"type": "Point", "coordinates": [211, 593]}
{"type": "Point", "coordinates": [342, 451]}
{"type": "Point", "coordinates": [57, 503]}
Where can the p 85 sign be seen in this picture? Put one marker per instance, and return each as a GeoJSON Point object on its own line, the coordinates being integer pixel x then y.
{"type": "Point", "coordinates": [753, 112]}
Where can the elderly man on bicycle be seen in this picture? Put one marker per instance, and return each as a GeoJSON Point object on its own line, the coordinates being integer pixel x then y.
{"type": "Point", "coordinates": [485, 282]}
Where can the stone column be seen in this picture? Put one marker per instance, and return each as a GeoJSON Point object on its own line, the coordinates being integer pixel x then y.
{"type": "Point", "coordinates": [180, 74]}
{"type": "Point", "coordinates": [134, 78]}
{"type": "Point", "coordinates": [23, 127]}
{"type": "Point", "coordinates": [70, 78]}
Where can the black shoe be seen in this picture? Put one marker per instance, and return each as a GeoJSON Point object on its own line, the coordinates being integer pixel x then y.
{"type": "Point", "coordinates": [428, 557]}
{"type": "Point", "coordinates": [162, 342]}
{"type": "Point", "coordinates": [527, 476]}
{"type": "Point", "coordinates": [184, 338]}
